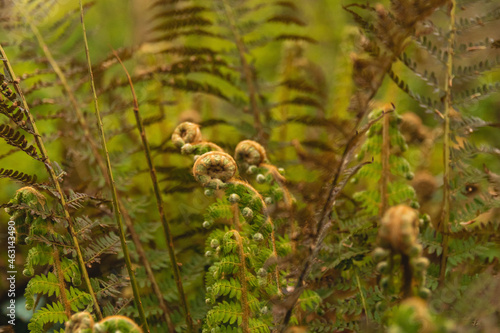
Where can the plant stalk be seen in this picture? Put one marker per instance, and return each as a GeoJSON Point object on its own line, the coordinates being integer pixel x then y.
{"type": "Point", "coordinates": [445, 213]}
{"type": "Point", "coordinates": [386, 172]}
{"type": "Point", "coordinates": [62, 283]}
{"type": "Point", "coordinates": [159, 202]}
{"type": "Point", "coordinates": [118, 216]}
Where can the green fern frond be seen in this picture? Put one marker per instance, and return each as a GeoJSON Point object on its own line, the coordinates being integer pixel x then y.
{"type": "Point", "coordinates": [51, 313]}
{"type": "Point", "coordinates": [41, 284]}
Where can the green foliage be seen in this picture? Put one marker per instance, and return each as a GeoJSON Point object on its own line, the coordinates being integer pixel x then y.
{"type": "Point", "coordinates": [294, 224]}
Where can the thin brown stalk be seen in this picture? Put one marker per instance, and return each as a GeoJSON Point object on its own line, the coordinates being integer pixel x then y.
{"type": "Point", "coordinates": [53, 178]}
{"type": "Point", "coordinates": [159, 201]}
{"type": "Point", "coordinates": [62, 283]}
{"type": "Point", "coordinates": [445, 207]}
{"type": "Point", "coordinates": [386, 172]}
{"type": "Point", "coordinates": [118, 216]}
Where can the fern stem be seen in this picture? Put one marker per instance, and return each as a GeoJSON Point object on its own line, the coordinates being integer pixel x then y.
{"type": "Point", "coordinates": [268, 220]}
{"type": "Point", "coordinates": [244, 289]}
{"type": "Point", "coordinates": [445, 213]}
{"type": "Point", "coordinates": [363, 300]}
{"type": "Point", "coordinates": [236, 217]}
{"type": "Point", "coordinates": [159, 202]}
{"type": "Point", "coordinates": [386, 172]}
{"type": "Point", "coordinates": [116, 208]}
{"type": "Point", "coordinates": [247, 72]}
{"type": "Point", "coordinates": [53, 178]}
{"type": "Point", "coordinates": [62, 284]}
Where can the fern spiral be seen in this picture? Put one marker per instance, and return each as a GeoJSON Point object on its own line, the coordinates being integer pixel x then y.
{"type": "Point", "coordinates": [186, 133]}
{"type": "Point", "coordinates": [248, 153]}
{"type": "Point", "coordinates": [82, 322]}
{"type": "Point", "coordinates": [213, 169]}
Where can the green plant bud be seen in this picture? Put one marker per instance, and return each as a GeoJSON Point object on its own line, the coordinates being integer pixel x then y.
{"type": "Point", "coordinates": [247, 213]}
{"type": "Point", "coordinates": [258, 237]}
{"type": "Point", "coordinates": [415, 250]}
{"type": "Point", "coordinates": [410, 175]}
{"type": "Point", "coordinates": [215, 184]}
{"type": "Point", "coordinates": [424, 293]}
{"type": "Point", "coordinates": [383, 267]}
{"type": "Point", "coordinates": [380, 306]}
{"type": "Point", "coordinates": [234, 198]}
{"type": "Point", "coordinates": [384, 282]}
{"type": "Point", "coordinates": [262, 272]}
{"type": "Point", "coordinates": [209, 192]}
{"type": "Point", "coordinates": [207, 224]}
{"type": "Point", "coordinates": [179, 143]}
{"type": "Point", "coordinates": [354, 180]}
{"type": "Point", "coordinates": [426, 218]}
{"type": "Point", "coordinates": [214, 243]}
{"type": "Point", "coordinates": [380, 254]}
{"type": "Point", "coordinates": [268, 201]}
{"type": "Point", "coordinates": [415, 205]}
{"type": "Point", "coordinates": [281, 171]}
{"type": "Point", "coordinates": [187, 148]}
{"type": "Point", "coordinates": [28, 272]}
{"type": "Point", "coordinates": [208, 301]}
{"type": "Point", "coordinates": [208, 254]}
{"type": "Point", "coordinates": [209, 289]}
{"type": "Point", "coordinates": [261, 179]}
{"type": "Point", "coordinates": [264, 310]}
{"type": "Point", "coordinates": [420, 263]}
{"type": "Point", "coordinates": [251, 169]}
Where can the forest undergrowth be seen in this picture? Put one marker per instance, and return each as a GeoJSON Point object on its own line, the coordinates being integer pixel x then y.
{"type": "Point", "coordinates": [249, 166]}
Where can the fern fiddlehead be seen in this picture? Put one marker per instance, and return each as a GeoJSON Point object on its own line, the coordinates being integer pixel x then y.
{"type": "Point", "coordinates": [398, 235]}
{"type": "Point", "coordinates": [186, 133]}
{"type": "Point", "coordinates": [82, 322]}
{"type": "Point", "coordinates": [238, 256]}
{"type": "Point", "coordinates": [214, 169]}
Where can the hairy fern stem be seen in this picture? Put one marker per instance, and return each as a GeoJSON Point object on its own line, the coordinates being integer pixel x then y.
{"type": "Point", "coordinates": [448, 83]}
